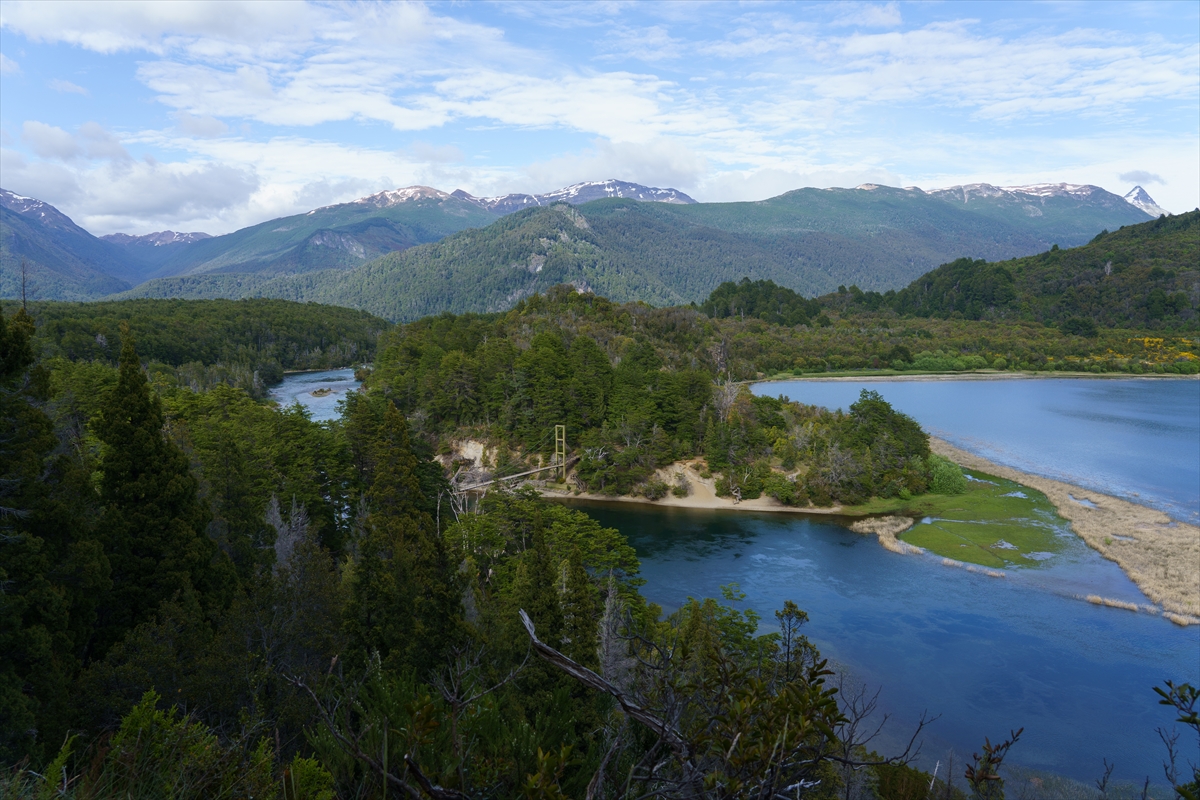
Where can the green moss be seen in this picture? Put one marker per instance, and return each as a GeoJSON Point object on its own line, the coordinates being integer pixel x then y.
{"type": "Point", "coordinates": [995, 523]}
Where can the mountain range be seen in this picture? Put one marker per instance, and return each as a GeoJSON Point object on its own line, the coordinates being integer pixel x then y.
{"type": "Point", "coordinates": [419, 250]}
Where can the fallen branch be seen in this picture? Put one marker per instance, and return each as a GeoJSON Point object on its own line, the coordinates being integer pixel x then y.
{"type": "Point", "coordinates": [590, 679]}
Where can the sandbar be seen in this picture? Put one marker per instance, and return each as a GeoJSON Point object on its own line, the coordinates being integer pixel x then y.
{"type": "Point", "coordinates": [1159, 554]}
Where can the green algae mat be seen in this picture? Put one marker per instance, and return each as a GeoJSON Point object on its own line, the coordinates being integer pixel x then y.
{"type": "Point", "coordinates": [995, 523]}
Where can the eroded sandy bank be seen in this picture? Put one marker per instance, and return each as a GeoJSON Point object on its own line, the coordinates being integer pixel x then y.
{"type": "Point", "coordinates": [1160, 555]}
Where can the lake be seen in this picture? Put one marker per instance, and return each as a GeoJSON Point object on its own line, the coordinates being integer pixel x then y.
{"type": "Point", "coordinates": [298, 387]}
{"type": "Point", "coordinates": [987, 654]}
{"type": "Point", "coordinates": [1136, 438]}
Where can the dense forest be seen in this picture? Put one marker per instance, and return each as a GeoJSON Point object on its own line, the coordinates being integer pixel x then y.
{"type": "Point", "coordinates": [1141, 276]}
{"type": "Point", "coordinates": [208, 596]}
{"type": "Point", "coordinates": [243, 343]}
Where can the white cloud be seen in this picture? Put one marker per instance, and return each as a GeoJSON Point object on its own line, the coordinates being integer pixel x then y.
{"type": "Point", "coordinates": [205, 127]}
{"type": "Point", "coordinates": [67, 87]}
{"type": "Point", "coordinates": [49, 142]}
{"type": "Point", "coordinates": [435, 154]}
{"type": "Point", "coordinates": [8, 66]}
{"type": "Point", "coordinates": [659, 162]}
{"type": "Point", "coordinates": [131, 25]}
{"type": "Point", "coordinates": [123, 196]}
{"type": "Point", "coordinates": [91, 142]}
{"type": "Point", "coordinates": [1140, 176]}
{"type": "Point", "coordinates": [869, 15]}
{"type": "Point", "coordinates": [786, 100]}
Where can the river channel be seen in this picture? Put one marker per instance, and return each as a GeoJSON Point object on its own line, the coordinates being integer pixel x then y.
{"type": "Point", "coordinates": [987, 654]}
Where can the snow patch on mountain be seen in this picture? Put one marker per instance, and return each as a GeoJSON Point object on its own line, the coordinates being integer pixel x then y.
{"type": "Point", "coordinates": [577, 194]}
{"type": "Point", "coordinates": [1140, 198]}
{"type": "Point", "coordinates": [157, 239]}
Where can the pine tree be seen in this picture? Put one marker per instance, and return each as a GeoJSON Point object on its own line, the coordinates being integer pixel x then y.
{"type": "Point", "coordinates": [153, 526]}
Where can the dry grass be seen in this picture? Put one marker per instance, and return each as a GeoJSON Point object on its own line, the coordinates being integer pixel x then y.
{"type": "Point", "coordinates": [1160, 555]}
{"type": "Point", "coordinates": [1108, 601]}
{"type": "Point", "coordinates": [887, 528]}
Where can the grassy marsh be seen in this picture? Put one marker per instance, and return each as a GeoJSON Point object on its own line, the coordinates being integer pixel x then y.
{"type": "Point", "coordinates": [995, 523]}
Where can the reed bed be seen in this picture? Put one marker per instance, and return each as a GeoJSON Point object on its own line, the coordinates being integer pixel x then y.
{"type": "Point", "coordinates": [886, 529]}
{"type": "Point", "coordinates": [1160, 555]}
{"type": "Point", "coordinates": [1111, 603]}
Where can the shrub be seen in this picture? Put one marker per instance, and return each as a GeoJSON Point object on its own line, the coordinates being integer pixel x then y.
{"type": "Point", "coordinates": [946, 477]}
{"type": "Point", "coordinates": [654, 489]}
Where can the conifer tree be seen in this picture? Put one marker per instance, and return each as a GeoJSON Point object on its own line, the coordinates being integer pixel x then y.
{"type": "Point", "coordinates": [50, 570]}
{"type": "Point", "coordinates": [404, 601]}
{"type": "Point", "coordinates": [579, 613]}
{"type": "Point", "coordinates": [153, 526]}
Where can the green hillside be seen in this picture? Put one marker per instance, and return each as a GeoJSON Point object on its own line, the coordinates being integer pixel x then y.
{"type": "Point", "coordinates": [340, 236]}
{"type": "Point", "coordinates": [62, 260]}
{"type": "Point", "coordinates": [1140, 276]}
{"type": "Point", "coordinates": [810, 241]}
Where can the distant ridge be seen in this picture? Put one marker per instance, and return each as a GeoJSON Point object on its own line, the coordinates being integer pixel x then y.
{"type": "Point", "coordinates": [577, 194]}
{"type": "Point", "coordinates": [158, 239]}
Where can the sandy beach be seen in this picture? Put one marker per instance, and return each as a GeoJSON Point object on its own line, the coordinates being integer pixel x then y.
{"type": "Point", "coordinates": [980, 375]}
{"type": "Point", "coordinates": [1160, 555]}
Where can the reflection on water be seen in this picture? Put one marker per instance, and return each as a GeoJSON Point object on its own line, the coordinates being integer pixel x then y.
{"type": "Point", "coordinates": [987, 654]}
{"type": "Point", "coordinates": [330, 386]}
{"type": "Point", "coordinates": [1137, 438]}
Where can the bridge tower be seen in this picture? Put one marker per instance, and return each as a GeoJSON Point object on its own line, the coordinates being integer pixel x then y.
{"type": "Point", "coordinates": [560, 451]}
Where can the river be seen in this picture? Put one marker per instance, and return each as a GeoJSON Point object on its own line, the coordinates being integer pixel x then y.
{"type": "Point", "coordinates": [988, 655]}
{"type": "Point", "coordinates": [298, 387]}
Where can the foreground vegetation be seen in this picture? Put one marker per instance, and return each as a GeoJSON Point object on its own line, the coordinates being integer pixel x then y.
{"type": "Point", "coordinates": [206, 596]}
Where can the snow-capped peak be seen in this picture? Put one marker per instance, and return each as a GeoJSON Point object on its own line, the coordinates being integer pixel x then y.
{"type": "Point", "coordinates": [19, 203]}
{"type": "Point", "coordinates": [386, 199]}
{"type": "Point", "coordinates": [577, 194]}
{"type": "Point", "coordinates": [157, 239]}
{"type": "Point", "coordinates": [1141, 199]}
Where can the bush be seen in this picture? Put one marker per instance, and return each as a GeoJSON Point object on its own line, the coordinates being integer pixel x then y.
{"type": "Point", "coordinates": [654, 489]}
{"type": "Point", "coordinates": [946, 477]}
{"type": "Point", "coordinates": [681, 488]}
{"type": "Point", "coordinates": [999, 363]}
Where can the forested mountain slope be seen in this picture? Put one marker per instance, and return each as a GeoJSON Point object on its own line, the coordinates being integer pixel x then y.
{"type": "Point", "coordinates": [339, 236]}
{"type": "Point", "coordinates": [811, 241]}
{"type": "Point", "coordinates": [62, 260]}
{"type": "Point", "coordinates": [1140, 276]}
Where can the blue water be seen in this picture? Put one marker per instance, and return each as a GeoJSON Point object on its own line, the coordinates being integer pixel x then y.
{"type": "Point", "coordinates": [1137, 438]}
{"type": "Point", "coordinates": [298, 387]}
{"type": "Point", "coordinates": [987, 654]}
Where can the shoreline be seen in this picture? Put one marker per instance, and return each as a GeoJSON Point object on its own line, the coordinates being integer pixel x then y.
{"type": "Point", "coordinates": [1160, 555]}
{"type": "Point", "coordinates": [980, 375]}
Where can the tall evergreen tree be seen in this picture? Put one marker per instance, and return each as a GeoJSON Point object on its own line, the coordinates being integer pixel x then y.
{"type": "Point", "coordinates": [50, 570]}
{"type": "Point", "coordinates": [153, 526]}
{"type": "Point", "coordinates": [579, 612]}
{"type": "Point", "coordinates": [404, 601]}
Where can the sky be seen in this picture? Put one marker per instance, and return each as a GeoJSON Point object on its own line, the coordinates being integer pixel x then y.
{"type": "Point", "coordinates": [141, 117]}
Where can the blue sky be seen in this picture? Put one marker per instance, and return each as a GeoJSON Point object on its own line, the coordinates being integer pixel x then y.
{"type": "Point", "coordinates": [191, 116]}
